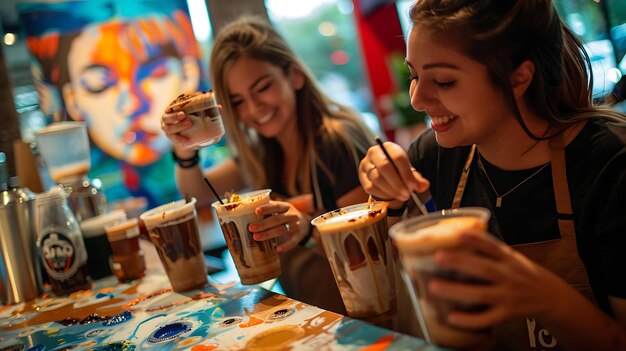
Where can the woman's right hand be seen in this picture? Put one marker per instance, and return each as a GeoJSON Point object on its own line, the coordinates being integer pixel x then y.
{"type": "Point", "coordinates": [379, 178]}
{"type": "Point", "coordinates": [174, 123]}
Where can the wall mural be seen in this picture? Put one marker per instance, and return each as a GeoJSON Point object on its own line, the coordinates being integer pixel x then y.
{"type": "Point", "coordinates": [116, 65]}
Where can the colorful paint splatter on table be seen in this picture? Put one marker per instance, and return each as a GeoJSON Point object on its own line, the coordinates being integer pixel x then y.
{"type": "Point", "coordinates": [148, 315]}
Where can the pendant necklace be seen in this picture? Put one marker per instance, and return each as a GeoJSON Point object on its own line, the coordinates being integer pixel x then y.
{"type": "Point", "coordinates": [498, 196]}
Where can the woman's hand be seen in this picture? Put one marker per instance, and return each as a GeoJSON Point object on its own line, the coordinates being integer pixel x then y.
{"type": "Point", "coordinates": [515, 286]}
{"type": "Point", "coordinates": [380, 179]}
{"type": "Point", "coordinates": [283, 221]}
{"type": "Point", "coordinates": [174, 123]}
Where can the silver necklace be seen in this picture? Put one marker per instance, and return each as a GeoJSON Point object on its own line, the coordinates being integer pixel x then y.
{"type": "Point", "coordinates": [498, 196]}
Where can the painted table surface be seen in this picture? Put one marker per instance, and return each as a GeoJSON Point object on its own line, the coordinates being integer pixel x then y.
{"type": "Point", "coordinates": [147, 315]}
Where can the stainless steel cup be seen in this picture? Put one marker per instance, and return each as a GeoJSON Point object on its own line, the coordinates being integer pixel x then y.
{"type": "Point", "coordinates": [20, 272]}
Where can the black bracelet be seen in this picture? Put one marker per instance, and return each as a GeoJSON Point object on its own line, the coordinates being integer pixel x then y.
{"type": "Point", "coordinates": [396, 212]}
{"type": "Point", "coordinates": [186, 162]}
{"type": "Point", "coordinates": [380, 199]}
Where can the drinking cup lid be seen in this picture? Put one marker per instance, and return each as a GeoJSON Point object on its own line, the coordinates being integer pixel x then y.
{"type": "Point", "coordinates": [124, 229]}
{"type": "Point", "coordinates": [192, 102]}
{"type": "Point", "coordinates": [95, 225]}
{"type": "Point", "coordinates": [351, 217]}
{"type": "Point", "coordinates": [253, 198]}
{"type": "Point", "coordinates": [167, 212]}
{"type": "Point", "coordinates": [437, 230]}
{"type": "Point", "coordinates": [60, 127]}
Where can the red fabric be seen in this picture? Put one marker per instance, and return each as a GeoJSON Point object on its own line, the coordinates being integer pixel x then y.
{"type": "Point", "coordinates": [380, 35]}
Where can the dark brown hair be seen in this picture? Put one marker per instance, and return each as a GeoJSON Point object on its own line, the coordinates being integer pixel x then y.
{"type": "Point", "coordinates": [501, 34]}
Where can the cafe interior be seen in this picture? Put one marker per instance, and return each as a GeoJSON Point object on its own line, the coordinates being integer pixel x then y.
{"type": "Point", "coordinates": [88, 181]}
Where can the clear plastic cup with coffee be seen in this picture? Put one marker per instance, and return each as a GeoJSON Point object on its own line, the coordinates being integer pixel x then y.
{"type": "Point", "coordinates": [99, 250]}
{"type": "Point", "coordinates": [128, 261]}
{"type": "Point", "coordinates": [256, 261]}
{"type": "Point", "coordinates": [417, 240]}
{"type": "Point", "coordinates": [173, 229]}
{"type": "Point", "coordinates": [359, 251]}
{"type": "Point", "coordinates": [201, 108]}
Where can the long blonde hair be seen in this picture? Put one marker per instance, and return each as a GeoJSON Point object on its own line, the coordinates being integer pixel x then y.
{"type": "Point", "coordinates": [502, 34]}
{"type": "Point", "coordinates": [317, 115]}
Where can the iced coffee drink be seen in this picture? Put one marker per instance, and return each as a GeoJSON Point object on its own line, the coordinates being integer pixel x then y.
{"type": "Point", "coordinates": [201, 108]}
{"type": "Point", "coordinates": [417, 240]}
{"type": "Point", "coordinates": [358, 249]}
{"type": "Point", "coordinates": [256, 261]}
{"type": "Point", "coordinates": [128, 258]}
{"type": "Point", "coordinates": [173, 229]}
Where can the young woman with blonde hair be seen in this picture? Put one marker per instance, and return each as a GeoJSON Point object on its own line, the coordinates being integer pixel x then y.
{"type": "Point", "coordinates": [284, 133]}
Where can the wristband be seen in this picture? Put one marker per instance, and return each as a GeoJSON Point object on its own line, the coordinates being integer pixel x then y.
{"type": "Point", "coordinates": [186, 162]}
{"type": "Point", "coordinates": [396, 212]}
{"type": "Point", "coordinates": [380, 199]}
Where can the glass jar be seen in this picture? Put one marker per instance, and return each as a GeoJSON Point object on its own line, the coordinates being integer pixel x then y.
{"type": "Point", "coordinates": [60, 243]}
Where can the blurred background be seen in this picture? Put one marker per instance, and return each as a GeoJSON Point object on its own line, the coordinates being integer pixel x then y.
{"type": "Point", "coordinates": [354, 47]}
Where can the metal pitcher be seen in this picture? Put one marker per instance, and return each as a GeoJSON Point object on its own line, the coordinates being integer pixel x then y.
{"type": "Point", "coordinates": [20, 272]}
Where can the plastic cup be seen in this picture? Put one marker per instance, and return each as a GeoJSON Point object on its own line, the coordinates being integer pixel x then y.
{"type": "Point", "coordinates": [128, 260]}
{"type": "Point", "coordinates": [359, 251]}
{"type": "Point", "coordinates": [201, 108]}
{"type": "Point", "coordinates": [99, 250]}
{"type": "Point", "coordinates": [256, 261]}
{"type": "Point", "coordinates": [417, 240]}
{"type": "Point", "coordinates": [65, 163]}
{"type": "Point", "coordinates": [173, 229]}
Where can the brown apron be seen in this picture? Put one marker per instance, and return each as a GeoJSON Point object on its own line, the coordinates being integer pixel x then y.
{"type": "Point", "coordinates": [559, 256]}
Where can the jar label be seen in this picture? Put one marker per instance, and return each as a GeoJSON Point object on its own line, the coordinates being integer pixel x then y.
{"type": "Point", "coordinates": [59, 255]}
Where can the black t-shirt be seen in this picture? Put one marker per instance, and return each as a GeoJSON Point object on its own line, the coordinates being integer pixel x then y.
{"type": "Point", "coordinates": [341, 173]}
{"type": "Point", "coordinates": [301, 266]}
{"type": "Point", "coordinates": [596, 173]}
{"type": "Point", "coordinates": [337, 176]}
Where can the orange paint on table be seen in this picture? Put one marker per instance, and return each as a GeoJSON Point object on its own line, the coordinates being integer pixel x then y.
{"type": "Point", "coordinates": [380, 344]}
{"type": "Point", "coordinates": [252, 322]}
{"type": "Point", "coordinates": [209, 347]}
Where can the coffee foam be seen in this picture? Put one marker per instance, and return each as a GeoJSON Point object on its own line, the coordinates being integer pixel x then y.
{"type": "Point", "coordinates": [440, 234]}
{"type": "Point", "coordinates": [94, 226]}
{"type": "Point", "coordinates": [125, 229]}
{"type": "Point", "coordinates": [192, 102]}
{"type": "Point", "coordinates": [168, 213]}
{"type": "Point", "coordinates": [350, 218]}
{"type": "Point", "coordinates": [248, 203]}
{"type": "Point", "coordinates": [75, 170]}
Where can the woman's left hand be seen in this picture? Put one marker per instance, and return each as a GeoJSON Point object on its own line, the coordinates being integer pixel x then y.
{"type": "Point", "coordinates": [283, 221]}
{"type": "Point", "coordinates": [515, 286]}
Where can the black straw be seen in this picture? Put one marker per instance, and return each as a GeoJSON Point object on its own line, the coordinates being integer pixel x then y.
{"type": "Point", "coordinates": [213, 190]}
{"type": "Point", "coordinates": [416, 199]}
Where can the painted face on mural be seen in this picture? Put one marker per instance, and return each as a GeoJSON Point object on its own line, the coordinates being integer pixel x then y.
{"type": "Point", "coordinates": [122, 76]}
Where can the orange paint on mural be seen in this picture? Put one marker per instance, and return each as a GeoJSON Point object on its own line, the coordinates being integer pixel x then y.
{"type": "Point", "coordinates": [110, 51]}
{"type": "Point", "coordinates": [44, 47]}
{"type": "Point", "coordinates": [144, 152]}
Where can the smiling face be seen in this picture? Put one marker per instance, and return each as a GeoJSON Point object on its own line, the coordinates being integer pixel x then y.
{"type": "Point", "coordinates": [263, 96]}
{"type": "Point", "coordinates": [456, 92]}
{"type": "Point", "coordinates": [120, 90]}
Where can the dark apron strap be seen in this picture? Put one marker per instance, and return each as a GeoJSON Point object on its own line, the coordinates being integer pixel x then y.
{"type": "Point", "coordinates": [560, 256]}
{"type": "Point", "coordinates": [561, 188]}
{"type": "Point", "coordinates": [460, 188]}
